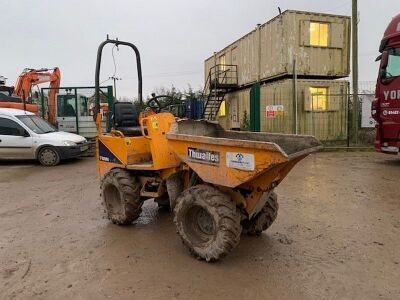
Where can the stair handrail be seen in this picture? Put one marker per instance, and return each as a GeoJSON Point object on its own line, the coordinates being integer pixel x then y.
{"type": "Point", "coordinates": [208, 80]}
{"type": "Point", "coordinates": [211, 87]}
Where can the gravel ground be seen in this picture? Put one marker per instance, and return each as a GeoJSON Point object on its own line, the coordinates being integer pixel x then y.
{"type": "Point", "coordinates": [337, 236]}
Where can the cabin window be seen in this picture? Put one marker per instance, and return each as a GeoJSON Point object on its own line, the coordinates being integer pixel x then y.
{"type": "Point", "coordinates": [222, 109]}
{"type": "Point", "coordinates": [319, 98]}
{"type": "Point", "coordinates": [319, 34]}
{"type": "Point", "coordinates": [222, 63]}
{"type": "Point", "coordinates": [66, 106]}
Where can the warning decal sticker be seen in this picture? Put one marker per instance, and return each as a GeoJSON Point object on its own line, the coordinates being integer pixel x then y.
{"type": "Point", "coordinates": [241, 161]}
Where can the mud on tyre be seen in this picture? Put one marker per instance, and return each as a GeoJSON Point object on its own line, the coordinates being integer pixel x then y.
{"type": "Point", "coordinates": [120, 194]}
{"type": "Point", "coordinates": [207, 221]}
{"type": "Point", "coordinates": [264, 219]}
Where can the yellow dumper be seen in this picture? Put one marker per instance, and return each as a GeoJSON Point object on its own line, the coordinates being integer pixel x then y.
{"type": "Point", "coordinates": [217, 183]}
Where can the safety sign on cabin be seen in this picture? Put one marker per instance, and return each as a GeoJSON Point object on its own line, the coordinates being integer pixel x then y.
{"type": "Point", "coordinates": [273, 111]}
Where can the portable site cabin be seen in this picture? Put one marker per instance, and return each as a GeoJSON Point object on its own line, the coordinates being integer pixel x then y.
{"type": "Point", "coordinates": [323, 115]}
{"type": "Point", "coordinates": [319, 43]}
{"type": "Point", "coordinates": [315, 47]}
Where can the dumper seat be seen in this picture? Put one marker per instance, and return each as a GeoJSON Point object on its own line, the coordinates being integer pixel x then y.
{"type": "Point", "coordinates": [126, 118]}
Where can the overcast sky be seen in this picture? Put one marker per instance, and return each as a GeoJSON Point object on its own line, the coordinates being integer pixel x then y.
{"type": "Point", "coordinates": [174, 36]}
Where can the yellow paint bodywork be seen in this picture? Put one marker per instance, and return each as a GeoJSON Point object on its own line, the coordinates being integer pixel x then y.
{"type": "Point", "coordinates": [221, 174]}
{"type": "Point", "coordinates": [149, 152]}
{"type": "Point", "coordinates": [162, 151]}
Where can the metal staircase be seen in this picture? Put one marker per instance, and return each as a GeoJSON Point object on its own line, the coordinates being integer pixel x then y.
{"type": "Point", "coordinates": [221, 79]}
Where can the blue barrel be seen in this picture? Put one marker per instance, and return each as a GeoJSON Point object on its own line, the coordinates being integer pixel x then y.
{"type": "Point", "coordinates": [194, 108]}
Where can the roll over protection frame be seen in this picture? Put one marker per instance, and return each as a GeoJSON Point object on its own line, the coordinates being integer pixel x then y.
{"type": "Point", "coordinates": [97, 74]}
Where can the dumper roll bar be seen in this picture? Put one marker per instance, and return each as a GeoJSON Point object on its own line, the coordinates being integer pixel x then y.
{"type": "Point", "coordinates": [97, 74]}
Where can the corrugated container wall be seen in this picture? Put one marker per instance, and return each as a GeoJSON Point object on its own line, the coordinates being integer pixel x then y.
{"type": "Point", "coordinates": [326, 123]}
{"type": "Point", "coordinates": [319, 43]}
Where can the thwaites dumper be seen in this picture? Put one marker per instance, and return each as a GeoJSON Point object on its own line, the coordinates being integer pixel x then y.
{"type": "Point", "coordinates": [386, 106]}
{"type": "Point", "coordinates": [217, 183]}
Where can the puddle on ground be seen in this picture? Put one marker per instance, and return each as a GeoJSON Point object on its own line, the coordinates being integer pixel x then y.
{"type": "Point", "coordinates": [149, 213]}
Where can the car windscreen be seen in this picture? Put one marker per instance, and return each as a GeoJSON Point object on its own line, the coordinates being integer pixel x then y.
{"type": "Point", "coordinates": [36, 124]}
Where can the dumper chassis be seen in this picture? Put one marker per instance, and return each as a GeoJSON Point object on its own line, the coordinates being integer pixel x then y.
{"type": "Point", "coordinates": [217, 183]}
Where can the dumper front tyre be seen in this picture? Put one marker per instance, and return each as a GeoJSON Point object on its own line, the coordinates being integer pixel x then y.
{"type": "Point", "coordinates": [208, 222]}
{"type": "Point", "coordinates": [264, 219]}
{"type": "Point", "coordinates": [120, 193]}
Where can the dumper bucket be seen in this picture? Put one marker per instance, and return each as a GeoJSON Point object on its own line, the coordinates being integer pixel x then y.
{"type": "Point", "coordinates": [234, 158]}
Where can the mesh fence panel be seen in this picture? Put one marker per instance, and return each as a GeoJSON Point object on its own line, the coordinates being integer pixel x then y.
{"type": "Point", "coordinates": [74, 108]}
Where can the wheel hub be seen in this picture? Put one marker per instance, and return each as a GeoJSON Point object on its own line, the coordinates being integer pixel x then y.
{"type": "Point", "coordinates": [205, 221]}
{"type": "Point", "coordinates": [48, 157]}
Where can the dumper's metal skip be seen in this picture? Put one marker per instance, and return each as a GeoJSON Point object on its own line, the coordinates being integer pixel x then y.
{"type": "Point", "coordinates": [256, 162]}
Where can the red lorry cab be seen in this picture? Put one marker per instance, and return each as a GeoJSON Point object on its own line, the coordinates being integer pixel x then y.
{"type": "Point", "coordinates": [386, 105]}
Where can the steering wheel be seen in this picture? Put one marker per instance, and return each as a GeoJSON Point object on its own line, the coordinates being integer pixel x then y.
{"type": "Point", "coordinates": [156, 105]}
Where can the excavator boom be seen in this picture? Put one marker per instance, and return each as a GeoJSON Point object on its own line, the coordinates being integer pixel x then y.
{"type": "Point", "coordinates": [33, 77]}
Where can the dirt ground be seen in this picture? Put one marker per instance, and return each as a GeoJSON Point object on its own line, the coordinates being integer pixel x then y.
{"type": "Point", "coordinates": [337, 236]}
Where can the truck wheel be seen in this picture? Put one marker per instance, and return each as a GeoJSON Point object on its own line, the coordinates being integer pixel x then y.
{"type": "Point", "coordinates": [264, 219]}
{"type": "Point", "coordinates": [48, 157]}
{"type": "Point", "coordinates": [207, 221]}
{"type": "Point", "coordinates": [120, 194]}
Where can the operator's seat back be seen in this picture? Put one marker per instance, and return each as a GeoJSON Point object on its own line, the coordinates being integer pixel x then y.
{"type": "Point", "coordinates": [126, 118]}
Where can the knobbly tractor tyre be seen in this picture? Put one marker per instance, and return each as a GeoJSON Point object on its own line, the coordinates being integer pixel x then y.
{"type": "Point", "coordinates": [120, 193]}
{"type": "Point", "coordinates": [207, 221]}
{"type": "Point", "coordinates": [264, 219]}
{"type": "Point", "coordinates": [49, 157]}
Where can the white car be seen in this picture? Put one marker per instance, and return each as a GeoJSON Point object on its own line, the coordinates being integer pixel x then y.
{"type": "Point", "coordinates": [23, 135]}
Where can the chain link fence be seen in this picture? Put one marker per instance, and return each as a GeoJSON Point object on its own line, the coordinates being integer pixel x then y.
{"type": "Point", "coordinates": [331, 120]}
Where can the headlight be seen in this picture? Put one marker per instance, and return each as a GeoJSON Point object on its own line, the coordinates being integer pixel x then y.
{"type": "Point", "coordinates": [69, 143]}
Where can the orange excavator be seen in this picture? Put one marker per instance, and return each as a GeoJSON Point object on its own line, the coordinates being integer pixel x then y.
{"type": "Point", "coordinates": [23, 87]}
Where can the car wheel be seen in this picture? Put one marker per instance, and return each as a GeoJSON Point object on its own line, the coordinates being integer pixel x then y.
{"type": "Point", "coordinates": [48, 157]}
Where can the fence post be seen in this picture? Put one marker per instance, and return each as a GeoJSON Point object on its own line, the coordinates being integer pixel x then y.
{"type": "Point", "coordinates": [42, 104]}
{"type": "Point", "coordinates": [312, 114]}
{"type": "Point", "coordinates": [77, 109]}
{"type": "Point", "coordinates": [110, 102]}
{"type": "Point", "coordinates": [294, 90]}
{"type": "Point", "coordinates": [354, 70]}
{"type": "Point", "coordinates": [348, 120]}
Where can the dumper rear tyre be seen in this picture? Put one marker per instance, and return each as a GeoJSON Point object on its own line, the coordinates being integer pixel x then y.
{"type": "Point", "coordinates": [208, 222]}
{"type": "Point", "coordinates": [264, 219]}
{"type": "Point", "coordinates": [120, 193]}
